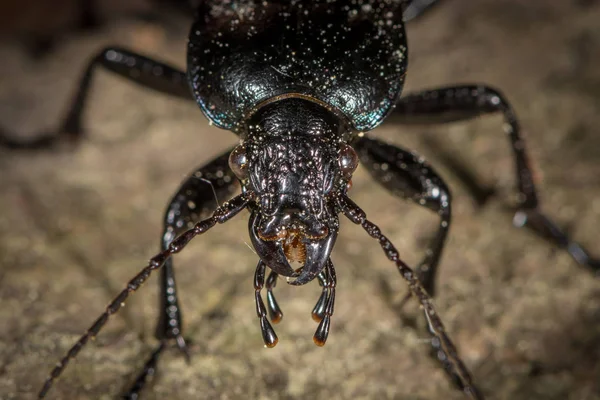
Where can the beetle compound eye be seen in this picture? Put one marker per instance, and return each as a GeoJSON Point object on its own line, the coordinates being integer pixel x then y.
{"type": "Point", "coordinates": [238, 162]}
{"type": "Point", "coordinates": [348, 160]}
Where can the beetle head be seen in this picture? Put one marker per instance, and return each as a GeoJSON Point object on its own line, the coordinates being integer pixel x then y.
{"type": "Point", "coordinates": [295, 177]}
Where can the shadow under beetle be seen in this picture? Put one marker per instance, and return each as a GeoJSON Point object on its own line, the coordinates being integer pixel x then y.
{"type": "Point", "coordinates": [300, 83]}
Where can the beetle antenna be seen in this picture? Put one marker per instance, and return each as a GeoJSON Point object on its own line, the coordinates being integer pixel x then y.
{"type": "Point", "coordinates": [220, 215]}
{"type": "Point", "coordinates": [446, 351]}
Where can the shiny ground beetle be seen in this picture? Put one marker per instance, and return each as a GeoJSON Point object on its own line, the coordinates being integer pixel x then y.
{"type": "Point", "coordinates": [300, 83]}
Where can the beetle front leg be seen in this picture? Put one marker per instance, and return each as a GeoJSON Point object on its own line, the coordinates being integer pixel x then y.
{"type": "Point", "coordinates": [129, 65]}
{"type": "Point", "coordinates": [464, 102]}
{"type": "Point", "coordinates": [408, 176]}
{"type": "Point", "coordinates": [445, 350]}
{"type": "Point", "coordinates": [198, 196]}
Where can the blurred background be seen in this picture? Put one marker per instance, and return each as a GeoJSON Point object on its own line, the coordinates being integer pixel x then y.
{"type": "Point", "coordinates": [76, 222]}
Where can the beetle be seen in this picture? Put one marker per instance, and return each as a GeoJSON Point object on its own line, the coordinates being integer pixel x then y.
{"type": "Point", "coordinates": [301, 116]}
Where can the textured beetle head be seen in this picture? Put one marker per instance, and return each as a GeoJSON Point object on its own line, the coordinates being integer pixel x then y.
{"type": "Point", "coordinates": [294, 220]}
{"type": "Point", "coordinates": [295, 177]}
{"type": "Point", "coordinates": [295, 163]}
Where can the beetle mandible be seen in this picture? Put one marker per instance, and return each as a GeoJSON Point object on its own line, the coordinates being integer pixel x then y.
{"type": "Point", "coordinates": [300, 83]}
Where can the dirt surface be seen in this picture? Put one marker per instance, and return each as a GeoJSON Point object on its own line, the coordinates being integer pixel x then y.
{"type": "Point", "coordinates": [78, 222]}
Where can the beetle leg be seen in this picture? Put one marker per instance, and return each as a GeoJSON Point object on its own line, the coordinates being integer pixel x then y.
{"type": "Point", "coordinates": [147, 373]}
{"type": "Point", "coordinates": [408, 176]}
{"type": "Point", "coordinates": [446, 352]}
{"type": "Point", "coordinates": [464, 102]}
{"type": "Point", "coordinates": [134, 67]}
{"type": "Point", "coordinates": [199, 195]}
{"type": "Point", "coordinates": [275, 313]}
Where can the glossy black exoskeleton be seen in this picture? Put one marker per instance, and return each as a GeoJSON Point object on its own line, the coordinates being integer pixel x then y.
{"type": "Point", "coordinates": [300, 83]}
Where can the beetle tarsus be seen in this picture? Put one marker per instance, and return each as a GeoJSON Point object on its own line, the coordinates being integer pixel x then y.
{"type": "Point", "coordinates": [148, 372]}
{"type": "Point", "coordinates": [547, 229]}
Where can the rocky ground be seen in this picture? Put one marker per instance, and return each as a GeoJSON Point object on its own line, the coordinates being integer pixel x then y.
{"type": "Point", "coordinates": [77, 222]}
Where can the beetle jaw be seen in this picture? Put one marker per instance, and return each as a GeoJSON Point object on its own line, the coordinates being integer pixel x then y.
{"type": "Point", "coordinates": [286, 244]}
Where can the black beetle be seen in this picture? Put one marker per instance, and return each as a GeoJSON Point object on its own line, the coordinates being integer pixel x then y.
{"type": "Point", "coordinates": [301, 83]}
